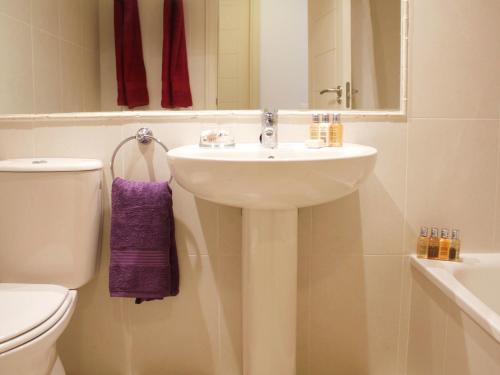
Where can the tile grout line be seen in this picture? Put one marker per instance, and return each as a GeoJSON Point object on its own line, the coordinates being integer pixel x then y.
{"type": "Point", "coordinates": [309, 297]}
{"type": "Point", "coordinates": [60, 58]}
{"type": "Point", "coordinates": [402, 348]}
{"type": "Point", "coordinates": [32, 35]}
{"type": "Point", "coordinates": [219, 320]}
{"type": "Point", "coordinates": [494, 236]}
{"type": "Point", "coordinates": [219, 301]}
{"type": "Point", "coordinates": [445, 343]}
{"type": "Point", "coordinates": [402, 300]}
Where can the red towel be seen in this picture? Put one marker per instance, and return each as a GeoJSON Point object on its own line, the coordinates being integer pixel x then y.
{"type": "Point", "coordinates": [176, 91]}
{"type": "Point", "coordinates": [130, 70]}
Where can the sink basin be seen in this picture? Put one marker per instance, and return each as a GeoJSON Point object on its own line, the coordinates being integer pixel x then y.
{"type": "Point", "coordinates": [290, 176]}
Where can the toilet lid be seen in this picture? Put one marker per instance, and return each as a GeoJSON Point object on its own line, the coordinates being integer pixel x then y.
{"type": "Point", "coordinates": [49, 165]}
{"type": "Point", "coordinates": [25, 306]}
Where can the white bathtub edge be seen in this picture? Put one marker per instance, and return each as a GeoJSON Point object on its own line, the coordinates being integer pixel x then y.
{"type": "Point", "coordinates": [440, 274]}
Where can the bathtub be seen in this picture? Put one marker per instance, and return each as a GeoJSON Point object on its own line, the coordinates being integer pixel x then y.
{"type": "Point", "coordinates": [472, 284]}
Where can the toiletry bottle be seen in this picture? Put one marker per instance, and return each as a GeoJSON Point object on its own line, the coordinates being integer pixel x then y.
{"type": "Point", "coordinates": [455, 245]}
{"type": "Point", "coordinates": [444, 245]}
{"type": "Point", "coordinates": [324, 128]}
{"type": "Point", "coordinates": [336, 133]}
{"type": "Point", "coordinates": [423, 243]}
{"type": "Point", "coordinates": [433, 252]}
{"type": "Point", "coordinates": [314, 128]}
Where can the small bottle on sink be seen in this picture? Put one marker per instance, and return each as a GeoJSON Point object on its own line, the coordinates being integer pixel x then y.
{"type": "Point", "coordinates": [423, 243]}
{"type": "Point", "coordinates": [455, 245]}
{"type": "Point", "coordinates": [336, 132]}
{"type": "Point", "coordinates": [444, 245]}
{"type": "Point", "coordinates": [433, 252]}
{"type": "Point", "coordinates": [324, 128]}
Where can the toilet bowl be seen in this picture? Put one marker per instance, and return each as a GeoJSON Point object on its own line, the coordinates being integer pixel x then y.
{"type": "Point", "coordinates": [32, 317]}
{"type": "Point", "coordinates": [50, 220]}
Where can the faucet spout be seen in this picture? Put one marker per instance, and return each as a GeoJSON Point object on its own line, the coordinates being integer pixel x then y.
{"type": "Point", "coordinates": [269, 129]}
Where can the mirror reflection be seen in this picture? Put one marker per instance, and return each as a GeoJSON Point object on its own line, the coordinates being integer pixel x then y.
{"type": "Point", "coordinates": [239, 54]}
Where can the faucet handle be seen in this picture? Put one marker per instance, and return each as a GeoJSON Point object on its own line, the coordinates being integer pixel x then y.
{"type": "Point", "coordinates": [270, 117]}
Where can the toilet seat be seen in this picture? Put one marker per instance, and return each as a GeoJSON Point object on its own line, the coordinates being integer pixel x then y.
{"type": "Point", "coordinates": [28, 311]}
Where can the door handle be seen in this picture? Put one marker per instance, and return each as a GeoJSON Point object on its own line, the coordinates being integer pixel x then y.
{"type": "Point", "coordinates": [338, 90]}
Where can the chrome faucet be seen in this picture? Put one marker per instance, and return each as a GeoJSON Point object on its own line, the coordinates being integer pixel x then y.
{"type": "Point", "coordinates": [269, 130]}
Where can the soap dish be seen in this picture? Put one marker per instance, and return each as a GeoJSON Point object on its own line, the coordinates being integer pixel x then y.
{"type": "Point", "coordinates": [216, 137]}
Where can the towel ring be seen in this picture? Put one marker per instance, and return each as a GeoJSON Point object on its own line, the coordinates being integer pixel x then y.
{"type": "Point", "coordinates": [143, 136]}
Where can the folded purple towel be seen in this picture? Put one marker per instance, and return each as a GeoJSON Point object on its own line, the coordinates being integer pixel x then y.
{"type": "Point", "coordinates": [143, 262]}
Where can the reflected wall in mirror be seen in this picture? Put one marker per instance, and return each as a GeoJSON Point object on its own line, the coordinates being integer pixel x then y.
{"type": "Point", "coordinates": [242, 54]}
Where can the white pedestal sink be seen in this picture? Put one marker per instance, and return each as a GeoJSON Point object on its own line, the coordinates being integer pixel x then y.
{"type": "Point", "coordinates": [270, 185]}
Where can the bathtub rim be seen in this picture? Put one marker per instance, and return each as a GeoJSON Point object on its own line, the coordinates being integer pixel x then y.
{"type": "Point", "coordinates": [440, 273]}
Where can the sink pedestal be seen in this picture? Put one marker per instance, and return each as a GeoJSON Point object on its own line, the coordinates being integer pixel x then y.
{"type": "Point", "coordinates": [269, 291]}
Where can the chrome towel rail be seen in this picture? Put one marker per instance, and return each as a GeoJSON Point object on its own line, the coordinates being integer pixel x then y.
{"type": "Point", "coordinates": [143, 136]}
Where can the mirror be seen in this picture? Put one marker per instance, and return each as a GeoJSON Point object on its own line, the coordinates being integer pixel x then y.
{"type": "Point", "coordinates": [242, 54]}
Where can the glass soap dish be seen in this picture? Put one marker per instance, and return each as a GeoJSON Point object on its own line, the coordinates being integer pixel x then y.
{"type": "Point", "coordinates": [216, 137]}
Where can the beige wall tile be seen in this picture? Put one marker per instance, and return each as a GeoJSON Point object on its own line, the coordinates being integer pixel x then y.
{"type": "Point", "coordinates": [16, 139]}
{"type": "Point", "coordinates": [228, 280]}
{"type": "Point", "coordinates": [90, 23]}
{"type": "Point", "coordinates": [370, 221]}
{"type": "Point", "coordinates": [303, 316]}
{"type": "Point", "coordinates": [107, 57]}
{"type": "Point", "coordinates": [106, 345]}
{"type": "Point", "coordinates": [382, 196]}
{"type": "Point", "coordinates": [20, 9]}
{"type": "Point", "coordinates": [469, 349]}
{"type": "Point", "coordinates": [336, 227]}
{"type": "Point", "coordinates": [179, 334]}
{"type": "Point", "coordinates": [47, 73]}
{"type": "Point", "coordinates": [31, 72]}
{"type": "Point", "coordinates": [70, 16]}
{"type": "Point", "coordinates": [496, 239]}
{"type": "Point", "coordinates": [151, 14]}
{"type": "Point", "coordinates": [354, 314]}
{"type": "Point", "coordinates": [426, 346]}
{"type": "Point", "coordinates": [196, 223]}
{"type": "Point", "coordinates": [450, 179]}
{"type": "Point", "coordinates": [72, 77]}
{"type": "Point", "coordinates": [404, 315]}
{"type": "Point", "coordinates": [455, 53]}
{"type": "Point", "coordinates": [45, 15]}
{"type": "Point", "coordinates": [305, 231]}
{"type": "Point", "coordinates": [230, 236]}
{"type": "Point", "coordinates": [16, 90]}
{"type": "Point", "coordinates": [91, 83]}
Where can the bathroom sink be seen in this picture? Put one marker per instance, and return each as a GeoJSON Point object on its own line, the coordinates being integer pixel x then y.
{"type": "Point", "coordinates": [287, 177]}
{"type": "Point", "coordinates": [270, 185]}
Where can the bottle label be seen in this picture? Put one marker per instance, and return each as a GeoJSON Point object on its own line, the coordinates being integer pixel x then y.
{"type": "Point", "coordinates": [444, 250]}
{"type": "Point", "coordinates": [422, 247]}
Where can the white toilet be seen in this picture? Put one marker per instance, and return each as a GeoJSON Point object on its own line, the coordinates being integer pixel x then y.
{"type": "Point", "coordinates": [50, 220]}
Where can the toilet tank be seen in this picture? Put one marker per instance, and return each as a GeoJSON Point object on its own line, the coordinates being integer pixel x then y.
{"type": "Point", "coordinates": [50, 220]}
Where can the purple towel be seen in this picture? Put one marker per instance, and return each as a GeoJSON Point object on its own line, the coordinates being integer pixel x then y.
{"type": "Point", "coordinates": [143, 261]}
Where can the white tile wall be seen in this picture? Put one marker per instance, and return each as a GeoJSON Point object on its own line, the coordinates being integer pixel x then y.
{"type": "Point", "coordinates": [452, 171]}
{"type": "Point", "coordinates": [51, 56]}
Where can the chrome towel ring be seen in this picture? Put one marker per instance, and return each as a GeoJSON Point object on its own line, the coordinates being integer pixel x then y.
{"type": "Point", "coordinates": [143, 136]}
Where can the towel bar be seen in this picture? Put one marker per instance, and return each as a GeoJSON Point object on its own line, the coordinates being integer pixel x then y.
{"type": "Point", "coordinates": [143, 136]}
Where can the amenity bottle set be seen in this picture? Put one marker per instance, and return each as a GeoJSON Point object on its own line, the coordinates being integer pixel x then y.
{"type": "Point", "coordinates": [439, 247]}
{"type": "Point", "coordinates": [325, 133]}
